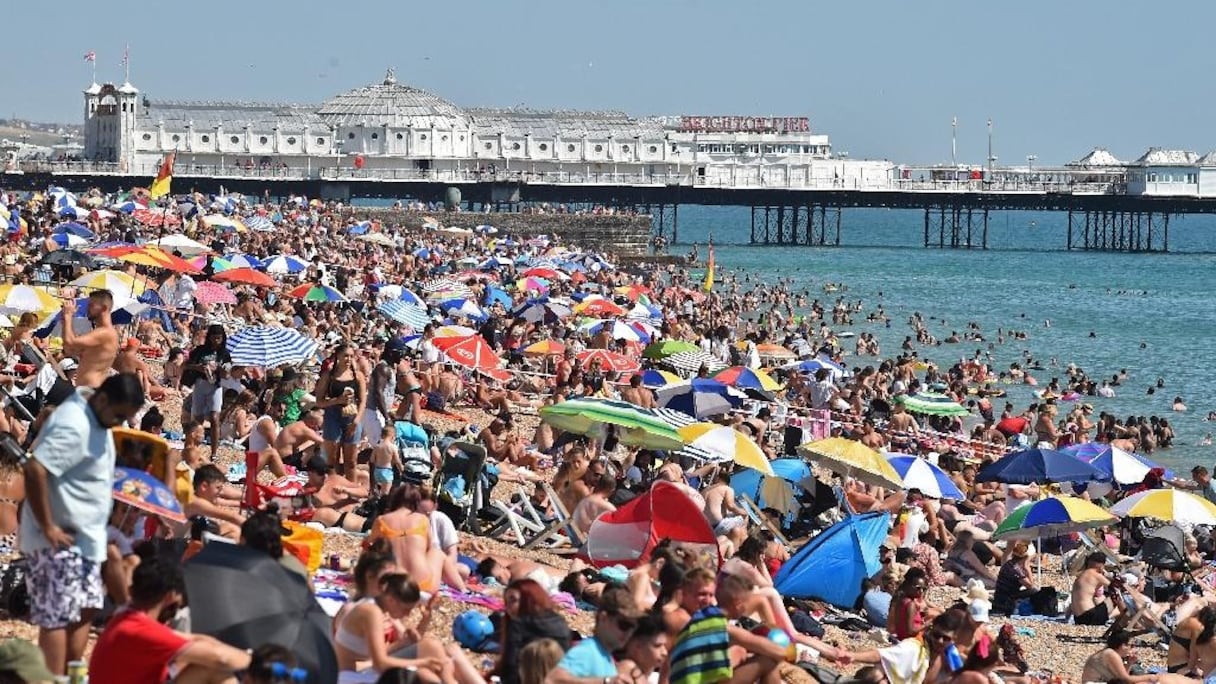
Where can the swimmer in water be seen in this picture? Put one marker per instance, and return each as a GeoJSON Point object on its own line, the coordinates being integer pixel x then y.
{"type": "Point", "coordinates": [1179, 405]}
{"type": "Point", "coordinates": [1207, 440]}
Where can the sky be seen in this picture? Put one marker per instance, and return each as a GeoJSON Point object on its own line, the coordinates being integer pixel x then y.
{"type": "Point", "coordinates": [883, 78]}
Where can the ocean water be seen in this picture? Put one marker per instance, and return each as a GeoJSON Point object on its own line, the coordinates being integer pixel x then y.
{"type": "Point", "coordinates": [1164, 301]}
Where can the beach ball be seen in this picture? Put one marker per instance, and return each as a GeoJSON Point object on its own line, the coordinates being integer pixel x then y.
{"type": "Point", "coordinates": [472, 629]}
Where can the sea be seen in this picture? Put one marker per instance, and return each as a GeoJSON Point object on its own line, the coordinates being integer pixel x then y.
{"type": "Point", "coordinates": [1153, 315]}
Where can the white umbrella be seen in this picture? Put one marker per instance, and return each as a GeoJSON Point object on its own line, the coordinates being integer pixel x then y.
{"type": "Point", "coordinates": [181, 243]}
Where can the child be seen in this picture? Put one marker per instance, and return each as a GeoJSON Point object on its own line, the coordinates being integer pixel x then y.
{"type": "Point", "coordinates": [385, 458]}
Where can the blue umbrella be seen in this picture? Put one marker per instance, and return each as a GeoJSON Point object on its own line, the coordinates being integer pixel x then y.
{"type": "Point", "coordinates": [415, 317]}
{"type": "Point", "coordinates": [284, 263]}
{"type": "Point", "coordinates": [244, 261]}
{"type": "Point", "coordinates": [931, 480]}
{"type": "Point", "coordinates": [463, 307]}
{"type": "Point", "coordinates": [360, 228]}
{"type": "Point", "coordinates": [409, 297]}
{"type": "Point", "coordinates": [1039, 466]}
{"type": "Point", "coordinates": [497, 294]}
{"type": "Point", "coordinates": [265, 347]}
{"type": "Point", "coordinates": [700, 397]}
{"type": "Point", "coordinates": [75, 229]}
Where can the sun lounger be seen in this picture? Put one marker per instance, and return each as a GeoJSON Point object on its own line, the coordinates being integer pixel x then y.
{"type": "Point", "coordinates": [552, 534]}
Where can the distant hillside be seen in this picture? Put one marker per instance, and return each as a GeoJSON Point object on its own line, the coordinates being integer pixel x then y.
{"type": "Point", "coordinates": [39, 133]}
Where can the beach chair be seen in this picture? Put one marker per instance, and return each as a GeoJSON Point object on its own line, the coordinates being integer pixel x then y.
{"type": "Point", "coordinates": [463, 502]}
{"type": "Point", "coordinates": [756, 515]}
{"type": "Point", "coordinates": [519, 517]}
{"type": "Point", "coordinates": [552, 534]}
{"type": "Point", "coordinates": [1131, 617]}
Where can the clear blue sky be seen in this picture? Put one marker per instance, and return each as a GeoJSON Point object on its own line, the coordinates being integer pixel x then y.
{"type": "Point", "coordinates": [883, 78]}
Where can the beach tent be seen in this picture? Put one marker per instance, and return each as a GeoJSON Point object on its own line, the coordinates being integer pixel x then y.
{"type": "Point", "coordinates": [832, 565]}
{"type": "Point", "coordinates": [627, 535]}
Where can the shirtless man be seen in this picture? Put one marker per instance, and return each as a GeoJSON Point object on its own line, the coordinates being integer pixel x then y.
{"type": "Point", "coordinates": [721, 509]}
{"type": "Point", "coordinates": [595, 505]}
{"type": "Point", "coordinates": [1090, 606]}
{"type": "Point", "coordinates": [871, 437]}
{"type": "Point", "coordinates": [636, 394]}
{"type": "Point", "coordinates": [302, 435]}
{"type": "Point", "coordinates": [502, 444]}
{"type": "Point", "coordinates": [448, 384]}
{"type": "Point", "coordinates": [209, 482]}
{"type": "Point", "coordinates": [902, 426]}
{"type": "Point", "coordinates": [129, 361]}
{"type": "Point", "coordinates": [334, 497]}
{"type": "Point", "coordinates": [96, 349]}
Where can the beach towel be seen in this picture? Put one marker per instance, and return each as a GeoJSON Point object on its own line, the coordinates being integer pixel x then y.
{"type": "Point", "coordinates": [906, 662]}
{"type": "Point", "coordinates": [701, 652]}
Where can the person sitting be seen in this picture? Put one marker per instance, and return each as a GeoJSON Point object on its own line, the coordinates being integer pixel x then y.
{"type": "Point", "coordinates": [408, 531]}
{"type": "Point", "coordinates": [137, 647]}
{"type": "Point", "coordinates": [209, 483]}
{"type": "Point", "coordinates": [1090, 605]}
{"type": "Point", "coordinates": [334, 499]}
{"type": "Point", "coordinates": [529, 616]}
{"type": "Point", "coordinates": [969, 559]}
{"type": "Point", "coordinates": [1015, 582]}
{"type": "Point", "coordinates": [594, 505]}
{"type": "Point", "coordinates": [1110, 664]}
{"type": "Point", "coordinates": [645, 652]}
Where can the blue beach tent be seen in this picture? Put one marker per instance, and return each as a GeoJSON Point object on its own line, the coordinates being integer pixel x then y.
{"type": "Point", "coordinates": [832, 565]}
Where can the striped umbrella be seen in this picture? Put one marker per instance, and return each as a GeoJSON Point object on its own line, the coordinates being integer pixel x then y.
{"type": "Point", "coordinates": [743, 377]}
{"type": "Point", "coordinates": [923, 475]}
{"type": "Point", "coordinates": [687, 363]}
{"type": "Point", "coordinates": [316, 292]}
{"type": "Point", "coordinates": [114, 281]}
{"type": "Point", "coordinates": [259, 223]}
{"type": "Point", "coordinates": [66, 240]}
{"type": "Point", "coordinates": [409, 297]}
{"type": "Point", "coordinates": [19, 299]}
{"type": "Point", "coordinates": [441, 289]}
{"type": "Point", "coordinates": [599, 307]}
{"type": "Point", "coordinates": [931, 404]}
{"type": "Point", "coordinates": [619, 330]}
{"type": "Point", "coordinates": [665, 348]}
{"type": "Point", "coordinates": [699, 397]}
{"type": "Point", "coordinates": [463, 307]}
{"type": "Point", "coordinates": [209, 293]}
{"type": "Point", "coordinates": [266, 347]}
{"type": "Point", "coordinates": [677, 420]}
{"type": "Point", "coordinates": [284, 263]}
{"type": "Point", "coordinates": [1052, 517]}
{"type": "Point", "coordinates": [243, 261]}
{"type": "Point", "coordinates": [653, 377]}
{"type": "Point", "coordinates": [1167, 504]}
{"type": "Point", "coordinates": [635, 425]}
{"type": "Point", "coordinates": [541, 310]}
{"type": "Point", "coordinates": [415, 317]}
{"type": "Point", "coordinates": [727, 444]}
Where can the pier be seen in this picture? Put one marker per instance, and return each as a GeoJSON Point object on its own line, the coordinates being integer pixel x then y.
{"type": "Point", "coordinates": [1102, 214]}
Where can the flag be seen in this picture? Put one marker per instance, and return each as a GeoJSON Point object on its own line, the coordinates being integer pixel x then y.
{"type": "Point", "coordinates": [708, 285]}
{"type": "Point", "coordinates": [90, 56]}
{"type": "Point", "coordinates": [160, 186]}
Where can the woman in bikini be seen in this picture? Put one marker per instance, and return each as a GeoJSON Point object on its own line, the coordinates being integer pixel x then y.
{"type": "Point", "coordinates": [236, 421]}
{"type": "Point", "coordinates": [409, 535]}
{"type": "Point", "coordinates": [568, 480]}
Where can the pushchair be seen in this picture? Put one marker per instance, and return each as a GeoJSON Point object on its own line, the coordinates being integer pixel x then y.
{"type": "Point", "coordinates": [1164, 549]}
{"type": "Point", "coordinates": [464, 483]}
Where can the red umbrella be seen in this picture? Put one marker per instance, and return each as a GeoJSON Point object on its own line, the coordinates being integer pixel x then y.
{"type": "Point", "coordinates": [247, 276]}
{"type": "Point", "coordinates": [1013, 425]}
{"type": "Point", "coordinates": [542, 272]}
{"type": "Point", "coordinates": [210, 293]}
{"type": "Point", "coordinates": [602, 308]}
{"type": "Point", "coordinates": [470, 351]}
{"type": "Point", "coordinates": [609, 360]}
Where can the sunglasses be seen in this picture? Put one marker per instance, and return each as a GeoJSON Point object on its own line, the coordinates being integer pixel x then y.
{"type": "Point", "coordinates": [940, 636]}
{"type": "Point", "coordinates": [623, 623]}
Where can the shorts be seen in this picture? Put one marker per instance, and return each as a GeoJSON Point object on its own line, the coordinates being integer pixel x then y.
{"type": "Point", "coordinates": [1099, 615]}
{"type": "Point", "coordinates": [205, 400]}
{"type": "Point", "coordinates": [62, 585]}
{"type": "Point", "coordinates": [729, 524]}
{"type": "Point", "coordinates": [333, 427]}
{"type": "Point", "coordinates": [372, 424]}
{"type": "Point", "coordinates": [384, 475]}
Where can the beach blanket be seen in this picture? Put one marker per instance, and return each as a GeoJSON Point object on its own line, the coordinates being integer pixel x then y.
{"type": "Point", "coordinates": [906, 662]}
{"type": "Point", "coordinates": [701, 653]}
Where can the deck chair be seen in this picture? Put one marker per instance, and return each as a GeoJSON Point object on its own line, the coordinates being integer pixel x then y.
{"type": "Point", "coordinates": [468, 464]}
{"type": "Point", "coordinates": [756, 515]}
{"type": "Point", "coordinates": [552, 534]}
{"type": "Point", "coordinates": [520, 518]}
{"type": "Point", "coordinates": [1131, 616]}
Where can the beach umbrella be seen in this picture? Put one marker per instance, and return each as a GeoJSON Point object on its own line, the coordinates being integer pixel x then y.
{"type": "Point", "coordinates": [544, 272]}
{"type": "Point", "coordinates": [532, 284]}
{"type": "Point", "coordinates": [316, 292]}
{"type": "Point", "coordinates": [266, 347]}
{"type": "Point", "coordinates": [141, 490]}
{"type": "Point", "coordinates": [260, 224]}
{"type": "Point", "coordinates": [699, 397]}
{"type": "Point", "coordinates": [791, 472]}
{"type": "Point", "coordinates": [545, 347]}
{"type": "Point", "coordinates": [284, 263]}
{"type": "Point", "coordinates": [726, 444]}
{"type": "Point", "coordinates": [454, 331]}
{"type": "Point", "coordinates": [114, 281]}
{"type": "Point", "coordinates": [377, 239]}
{"type": "Point", "coordinates": [931, 404]}
{"type": "Point", "coordinates": [541, 310]}
{"type": "Point", "coordinates": [245, 276]}
{"type": "Point", "coordinates": [463, 307]}
{"type": "Point", "coordinates": [689, 363]}
{"type": "Point", "coordinates": [67, 240]}
{"type": "Point", "coordinates": [68, 257]}
{"type": "Point", "coordinates": [74, 228]}
{"type": "Point", "coordinates": [618, 330]}
{"type": "Point", "coordinates": [470, 351]}
{"type": "Point", "coordinates": [218, 264]}
{"type": "Point", "coordinates": [667, 347]}
{"type": "Point", "coordinates": [19, 299]}
{"type": "Point", "coordinates": [932, 481]}
{"type": "Point", "coordinates": [601, 308]}
{"type": "Point", "coordinates": [209, 293]}
{"type": "Point", "coordinates": [742, 377]}
{"type": "Point", "coordinates": [852, 459]}
{"type": "Point", "coordinates": [653, 377]}
{"type": "Point", "coordinates": [125, 311]}
{"type": "Point", "coordinates": [409, 297]}
{"type": "Point", "coordinates": [608, 361]}
{"type": "Point", "coordinates": [635, 425]}
{"type": "Point", "coordinates": [243, 261]}
{"type": "Point", "coordinates": [1038, 466]}
{"type": "Point", "coordinates": [245, 598]}
{"type": "Point", "coordinates": [774, 352]}
{"type": "Point", "coordinates": [1052, 517]}
{"type": "Point", "coordinates": [1171, 505]}
{"type": "Point", "coordinates": [1122, 467]}
{"type": "Point", "coordinates": [156, 218]}
{"type": "Point", "coordinates": [442, 289]}
{"type": "Point", "coordinates": [812, 366]}
{"type": "Point", "coordinates": [495, 262]}
{"type": "Point", "coordinates": [180, 243]}
{"type": "Point", "coordinates": [415, 317]}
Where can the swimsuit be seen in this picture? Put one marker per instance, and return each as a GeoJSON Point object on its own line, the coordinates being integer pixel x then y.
{"type": "Point", "coordinates": [384, 475]}
{"type": "Point", "coordinates": [422, 529]}
{"type": "Point", "coordinates": [1098, 615]}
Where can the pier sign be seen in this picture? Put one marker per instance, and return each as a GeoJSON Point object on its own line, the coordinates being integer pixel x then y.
{"type": "Point", "coordinates": [745, 124]}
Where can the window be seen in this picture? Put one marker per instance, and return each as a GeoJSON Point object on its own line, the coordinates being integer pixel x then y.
{"type": "Point", "coordinates": [1152, 178]}
{"type": "Point", "coordinates": [206, 138]}
{"type": "Point", "coordinates": [489, 146]}
{"type": "Point", "coordinates": [515, 146]}
{"type": "Point", "coordinates": [147, 136]}
{"type": "Point", "coordinates": [291, 141]}
{"type": "Point", "coordinates": [569, 148]}
{"type": "Point", "coordinates": [624, 148]}
{"type": "Point", "coordinates": [375, 136]}
{"type": "Point", "coordinates": [320, 141]}
{"type": "Point", "coordinates": [544, 146]}
{"type": "Point", "coordinates": [234, 140]}
{"type": "Point", "coordinates": [443, 138]}
{"type": "Point", "coordinates": [653, 149]}
{"type": "Point", "coordinates": [176, 137]}
{"type": "Point", "coordinates": [263, 140]}
{"type": "Point", "coordinates": [400, 137]}
{"type": "Point", "coordinates": [599, 148]}
{"type": "Point", "coordinates": [422, 137]}
{"type": "Point", "coordinates": [350, 136]}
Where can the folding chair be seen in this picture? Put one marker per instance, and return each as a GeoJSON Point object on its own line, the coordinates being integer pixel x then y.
{"type": "Point", "coordinates": [1131, 616]}
{"type": "Point", "coordinates": [521, 518]}
{"type": "Point", "coordinates": [562, 523]}
{"type": "Point", "coordinates": [757, 516]}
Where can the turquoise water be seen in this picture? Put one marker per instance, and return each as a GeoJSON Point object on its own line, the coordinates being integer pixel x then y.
{"type": "Point", "coordinates": [1024, 280]}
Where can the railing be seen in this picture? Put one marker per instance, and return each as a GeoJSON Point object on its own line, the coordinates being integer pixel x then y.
{"type": "Point", "coordinates": [999, 185]}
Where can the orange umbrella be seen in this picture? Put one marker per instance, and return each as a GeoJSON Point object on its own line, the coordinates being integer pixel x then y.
{"type": "Point", "coordinates": [470, 351]}
{"type": "Point", "coordinates": [545, 348]}
{"type": "Point", "coordinates": [601, 308]}
{"type": "Point", "coordinates": [169, 261]}
{"type": "Point", "coordinates": [248, 276]}
{"type": "Point", "coordinates": [608, 360]}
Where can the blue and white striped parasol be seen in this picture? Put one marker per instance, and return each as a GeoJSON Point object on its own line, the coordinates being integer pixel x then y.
{"type": "Point", "coordinates": [243, 261]}
{"type": "Point", "coordinates": [266, 347]}
{"type": "Point", "coordinates": [284, 263]}
{"type": "Point", "coordinates": [920, 474]}
{"type": "Point", "coordinates": [258, 223]}
{"type": "Point", "coordinates": [415, 317]}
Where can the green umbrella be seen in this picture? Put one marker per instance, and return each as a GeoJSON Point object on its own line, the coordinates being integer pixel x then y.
{"type": "Point", "coordinates": [931, 404]}
{"type": "Point", "coordinates": [664, 348]}
{"type": "Point", "coordinates": [636, 426]}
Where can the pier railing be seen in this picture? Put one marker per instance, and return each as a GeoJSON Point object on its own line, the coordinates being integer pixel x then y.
{"type": "Point", "coordinates": [1000, 184]}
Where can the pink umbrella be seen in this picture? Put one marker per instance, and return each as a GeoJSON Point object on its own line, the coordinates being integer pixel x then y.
{"type": "Point", "coordinates": [210, 293]}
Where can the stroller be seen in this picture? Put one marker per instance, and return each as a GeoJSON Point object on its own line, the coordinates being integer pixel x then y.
{"type": "Point", "coordinates": [465, 481]}
{"type": "Point", "coordinates": [1164, 549]}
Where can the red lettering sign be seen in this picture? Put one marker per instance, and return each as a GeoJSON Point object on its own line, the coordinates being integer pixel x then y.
{"type": "Point", "coordinates": [744, 124]}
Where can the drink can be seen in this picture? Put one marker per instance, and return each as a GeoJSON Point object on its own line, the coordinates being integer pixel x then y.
{"type": "Point", "coordinates": [78, 672]}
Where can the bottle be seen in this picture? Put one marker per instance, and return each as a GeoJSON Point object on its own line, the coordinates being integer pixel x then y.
{"type": "Point", "coordinates": [954, 659]}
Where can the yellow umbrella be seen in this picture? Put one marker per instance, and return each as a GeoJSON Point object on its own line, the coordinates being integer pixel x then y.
{"type": "Point", "coordinates": [853, 459]}
{"type": "Point", "coordinates": [114, 281]}
{"type": "Point", "coordinates": [19, 299]}
{"type": "Point", "coordinates": [1167, 504]}
{"type": "Point", "coordinates": [546, 347]}
{"type": "Point", "coordinates": [728, 443]}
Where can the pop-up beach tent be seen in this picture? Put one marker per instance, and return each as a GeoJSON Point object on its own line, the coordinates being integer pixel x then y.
{"type": "Point", "coordinates": [832, 565]}
{"type": "Point", "coordinates": [627, 535]}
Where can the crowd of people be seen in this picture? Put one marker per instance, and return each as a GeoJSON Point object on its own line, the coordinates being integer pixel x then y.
{"type": "Point", "coordinates": [331, 425]}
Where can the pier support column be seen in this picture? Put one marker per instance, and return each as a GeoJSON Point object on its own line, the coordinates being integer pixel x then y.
{"type": "Point", "coordinates": [1120, 231]}
{"type": "Point", "coordinates": [955, 227]}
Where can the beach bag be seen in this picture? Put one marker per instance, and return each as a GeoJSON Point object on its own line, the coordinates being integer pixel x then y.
{"type": "Point", "coordinates": [305, 544]}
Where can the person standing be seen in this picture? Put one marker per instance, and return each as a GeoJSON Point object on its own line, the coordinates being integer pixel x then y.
{"type": "Point", "coordinates": [96, 349]}
{"type": "Point", "coordinates": [206, 366]}
{"type": "Point", "coordinates": [68, 484]}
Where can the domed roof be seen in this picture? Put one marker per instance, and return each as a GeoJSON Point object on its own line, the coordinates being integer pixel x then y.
{"type": "Point", "coordinates": [394, 104]}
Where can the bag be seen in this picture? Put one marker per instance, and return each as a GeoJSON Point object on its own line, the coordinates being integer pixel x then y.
{"type": "Point", "coordinates": [820, 674]}
{"type": "Point", "coordinates": [435, 402]}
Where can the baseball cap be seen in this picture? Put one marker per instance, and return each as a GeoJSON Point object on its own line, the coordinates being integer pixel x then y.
{"type": "Point", "coordinates": [23, 659]}
{"type": "Point", "coordinates": [68, 365]}
{"type": "Point", "coordinates": [316, 464]}
{"type": "Point", "coordinates": [978, 609]}
{"type": "Point", "coordinates": [619, 600]}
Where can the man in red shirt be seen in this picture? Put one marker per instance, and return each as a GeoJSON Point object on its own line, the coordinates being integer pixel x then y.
{"type": "Point", "coordinates": [137, 647]}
